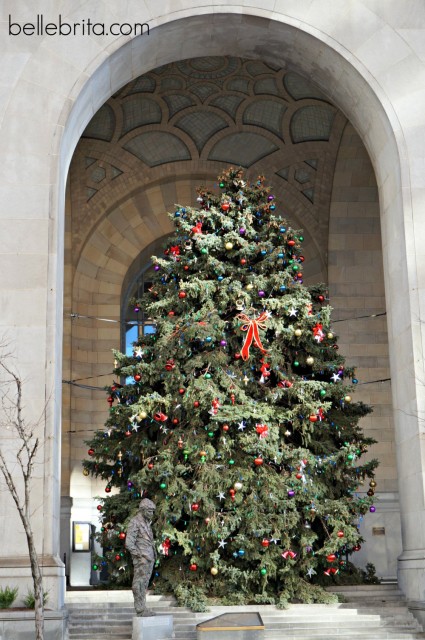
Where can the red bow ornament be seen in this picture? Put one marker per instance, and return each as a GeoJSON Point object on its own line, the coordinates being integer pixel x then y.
{"type": "Point", "coordinates": [262, 430]}
{"type": "Point", "coordinates": [288, 554]}
{"type": "Point", "coordinates": [318, 332]}
{"type": "Point", "coordinates": [175, 250]}
{"type": "Point", "coordinates": [265, 372]}
{"type": "Point", "coordinates": [252, 327]}
{"type": "Point", "coordinates": [197, 228]}
{"type": "Point", "coordinates": [165, 547]}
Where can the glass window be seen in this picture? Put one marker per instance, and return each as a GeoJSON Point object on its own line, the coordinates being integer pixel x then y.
{"type": "Point", "coordinates": [136, 321]}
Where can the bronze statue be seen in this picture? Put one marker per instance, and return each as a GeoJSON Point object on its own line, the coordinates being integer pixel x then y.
{"type": "Point", "coordinates": [140, 543]}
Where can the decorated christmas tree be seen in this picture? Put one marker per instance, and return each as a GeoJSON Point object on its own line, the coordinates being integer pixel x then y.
{"type": "Point", "coordinates": [236, 416]}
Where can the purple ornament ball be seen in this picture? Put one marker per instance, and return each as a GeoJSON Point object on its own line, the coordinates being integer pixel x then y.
{"type": "Point", "coordinates": [291, 493]}
{"type": "Point", "coordinates": [242, 231]}
{"type": "Point", "coordinates": [223, 343]}
{"type": "Point", "coordinates": [372, 509]}
{"type": "Point", "coordinates": [156, 267]}
{"type": "Point", "coordinates": [270, 198]}
{"type": "Point", "coordinates": [261, 293]}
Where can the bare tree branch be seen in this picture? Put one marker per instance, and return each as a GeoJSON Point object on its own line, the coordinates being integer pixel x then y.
{"type": "Point", "coordinates": [13, 419]}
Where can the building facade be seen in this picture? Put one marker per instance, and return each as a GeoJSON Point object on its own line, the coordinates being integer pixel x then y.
{"type": "Point", "coordinates": [102, 135]}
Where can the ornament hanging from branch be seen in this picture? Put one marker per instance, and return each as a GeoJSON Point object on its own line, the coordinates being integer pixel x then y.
{"type": "Point", "coordinates": [252, 327]}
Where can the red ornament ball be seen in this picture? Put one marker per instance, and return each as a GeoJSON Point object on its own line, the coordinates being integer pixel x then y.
{"type": "Point", "coordinates": [196, 404]}
{"type": "Point", "coordinates": [186, 267]}
{"type": "Point", "coordinates": [171, 313]}
{"type": "Point", "coordinates": [243, 261]}
{"type": "Point", "coordinates": [150, 465]}
{"type": "Point", "coordinates": [108, 489]}
{"type": "Point", "coordinates": [99, 507]}
{"type": "Point", "coordinates": [195, 506]}
{"type": "Point", "coordinates": [313, 418]}
{"type": "Point", "coordinates": [320, 298]}
{"type": "Point", "coordinates": [340, 534]}
{"type": "Point", "coordinates": [91, 452]}
{"type": "Point", "coordinates": [265, 543]}
{"type": "Point", "coordinates": [137, 377]}
{"type": "Point", "coordinates": [258, 462]}
{"type": "Point", "coordinates": [121, 535]}
{"type": "Point", "coordinates": [298, 476]}
{"type": "Point", "coordinates": [225, 206]}
{"type": "Point", "coordinates": [182, 391]}
{"type": "Point", "coordinates": [225, 427]}
{"type": "Point", "coordinates": [193, 567]}
{"type": "Point", "coordinates": [237, 356]}
{"type": "Point", "coordinates": [331, 557]}
{"type": "Point", "coordinates": [117, 557]}
{"type": "Point", "coordinates": [175, 420]}
{"type": "Point", "coordinates": [182, 294]}
{"type": "Point", "coordinates": [291, 243]}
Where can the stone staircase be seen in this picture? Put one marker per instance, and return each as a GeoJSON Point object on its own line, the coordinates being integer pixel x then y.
{"type": "Point", "coordinates": [371, 612]}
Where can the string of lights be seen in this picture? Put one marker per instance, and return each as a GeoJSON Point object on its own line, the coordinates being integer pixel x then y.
{"type": "Point", "coordinates": [78, 316]}
{"type": "Point", "coordinates": [76, 382]}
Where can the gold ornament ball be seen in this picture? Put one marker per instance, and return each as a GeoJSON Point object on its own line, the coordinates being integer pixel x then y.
{"type": "Point", "coordinates": [330, 335]}
{"type": "Point", "coordinates": [142, 415]}
{"type": "Point", "coordinates": [372, 483]}
{"type": "Point", "coordinates": [86, 472]}
{"type": "Point", "coordinates": [310, 360]}
{"type": "Point", "coordinates": [229, 245]}
{"type": "Point", "coordinates": [298, 333]}
{"type": "Point", "coordinates": [347, 398]}
{"type": "Point", "coordinates": [214, 571]}
{"type": "Point", "coordinates": [250, 286]}
{"type": "Point", "coordinates": [238, 486]}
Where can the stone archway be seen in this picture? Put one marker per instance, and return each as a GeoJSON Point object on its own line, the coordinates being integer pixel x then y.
{"type": "Point", "coordinates": [366, 139]}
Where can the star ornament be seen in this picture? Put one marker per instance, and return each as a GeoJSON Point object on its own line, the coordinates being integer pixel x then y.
{"type": "Point", "coordinates": [221, 496]}
{"type": "Point", "coordinates": [336, 378]}
{"type": "Point", "coordinates": [222, 544]}
{"type": "Point", "coordinates": [293, 312]}
{"type": "Point", "coordinates": [241, 426]}
{"type": "Point", "coordinates": [311, 572]}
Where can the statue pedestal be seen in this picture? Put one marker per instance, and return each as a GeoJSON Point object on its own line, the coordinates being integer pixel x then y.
{"type": "Point", "coordinates": [153, 628]}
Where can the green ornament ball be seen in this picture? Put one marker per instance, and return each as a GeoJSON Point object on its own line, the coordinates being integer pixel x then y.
{"type": "Point", "coordinates": [263, 571]}
{"type": "Point", "coordinates": [207, 376]}
{"type": "Point", "coordinates": [296, 363]}
{"type": "Point", "coordinates": [322, 393]}
{"type": "Point", "coordinates": [231, 461]}
{"type": "Point", "coordinates": [301, 238]}
{"type": "Point", "coordinates": [163, 485]}
{"type": "Point", "coordinates": [222, 185]}
{"type": "Point", "coordinates": [204, 250]}
{"type": "Point", "coordinates": [350, 456]}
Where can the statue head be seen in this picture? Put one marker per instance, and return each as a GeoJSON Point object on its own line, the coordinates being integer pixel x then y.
{"type": "Point", "coordinates": [147, 507]}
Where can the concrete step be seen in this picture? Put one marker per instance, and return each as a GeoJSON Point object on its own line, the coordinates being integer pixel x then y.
{"type": "Point", "coordinates": [373, 612]}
